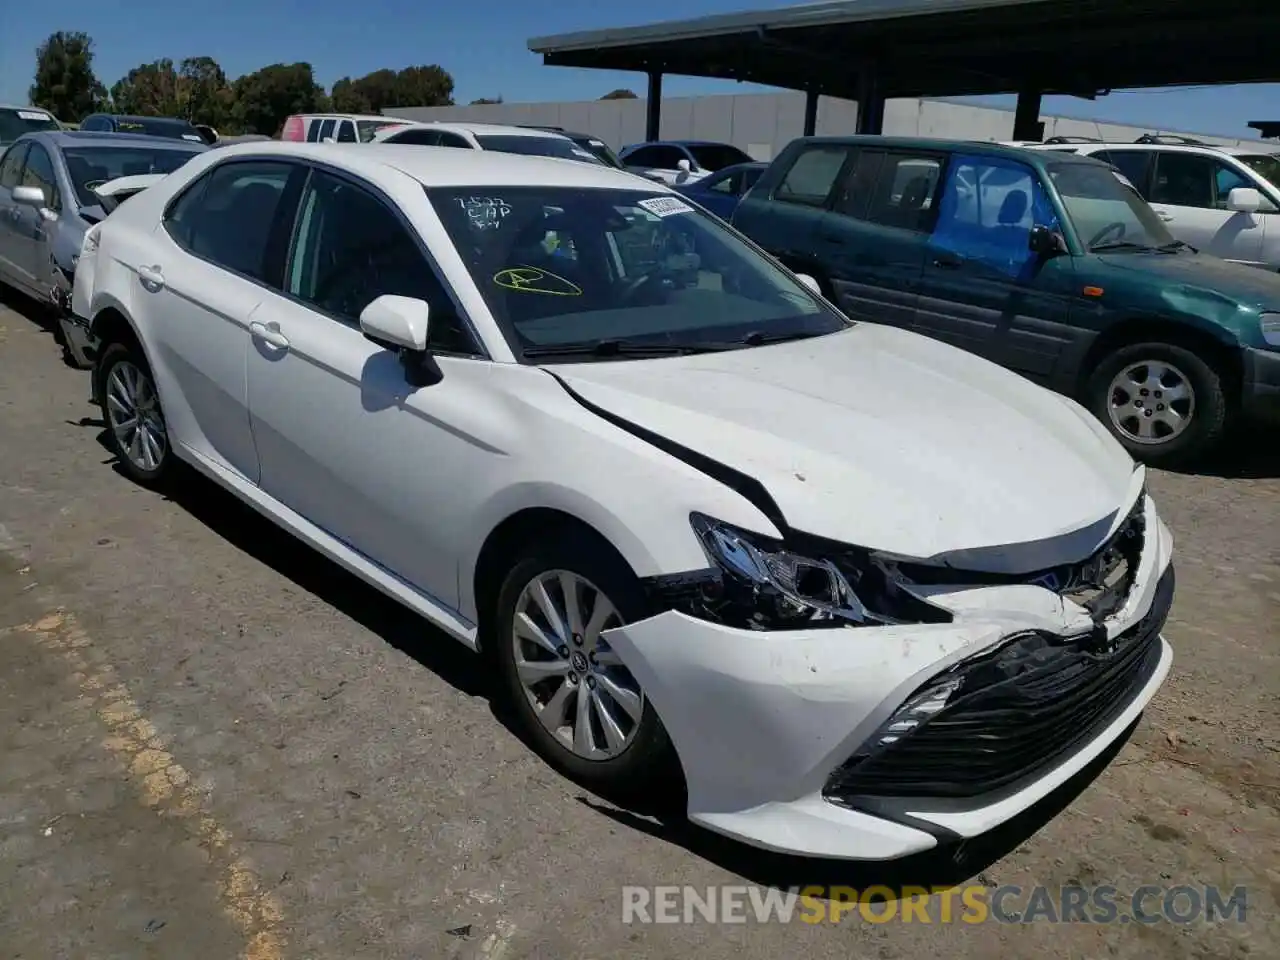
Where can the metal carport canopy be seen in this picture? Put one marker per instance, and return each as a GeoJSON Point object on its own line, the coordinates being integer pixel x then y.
{"type": "Point", "coordinates": [917, 48]}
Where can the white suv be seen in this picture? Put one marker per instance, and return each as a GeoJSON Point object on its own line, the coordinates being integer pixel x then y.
{"type": "Point", "coordinates": [1223, 201]}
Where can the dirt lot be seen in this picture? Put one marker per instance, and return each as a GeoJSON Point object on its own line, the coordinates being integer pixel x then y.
{"type": "Point", "coordinates": [217, 745]}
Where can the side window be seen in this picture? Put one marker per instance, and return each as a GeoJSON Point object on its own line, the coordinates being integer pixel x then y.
{"type": "Point", "coordinates": [346, 132]}
{"type": "Point", "coordinates": [859, 184]}
{"type": "Point", "coordinates": [91, 123]}
{"type": "Point", "coordinates": [1226, 180]}
{"type": "Point", "coordinates": [726, 184]}
{"type": "Point", "coordinates": [11, 167]}
{"type": "Point", "coordinates": [1184, 180]}
{"type": "Point", "coordinates": [811, 177]}
{"type": "Point", "coordinates": [313, 129]}
{"type": "Point", "coordinates": [1134, 164]}
{"type": "Point", "coordinates": [226, 216]}
{"type": "Point", "coordinates": [351, 249]}
{"type": "Point", "coordinates": [642, 157]}
{"type": "Point", "coordinates": [326, 128]}
{"type": "Point", "coordinates": [986, 211]}
{"type": "Point", "coordinates": [39, 173]}
{"type": "Point", "coordinates": [419, 138]}
{"type": "Point", "coordinates": [904, 190]}
{"type": "Point", "coordinates": [453, 140]}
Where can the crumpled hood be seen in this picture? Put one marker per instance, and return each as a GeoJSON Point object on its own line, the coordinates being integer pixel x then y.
{"type": "Point", "coordinates": [880, 438]}
{"type": "Point", "coordinates": [1205, 275]}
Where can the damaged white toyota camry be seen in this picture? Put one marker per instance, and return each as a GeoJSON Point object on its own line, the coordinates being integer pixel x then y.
{"type": "Point", "coordinates": [870, 593]}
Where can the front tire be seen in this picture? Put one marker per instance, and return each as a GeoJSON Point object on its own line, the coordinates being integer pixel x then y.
{"type": "Point", "coordinates": [575, 699]}
{"type": "Point", "coordinates": [1164, 403]}
{"type": "Point", "coordinates": [136, 428]}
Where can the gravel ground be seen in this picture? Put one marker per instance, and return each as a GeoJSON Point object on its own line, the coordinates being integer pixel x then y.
{"type": "Point", "coordinates": [217, 744]}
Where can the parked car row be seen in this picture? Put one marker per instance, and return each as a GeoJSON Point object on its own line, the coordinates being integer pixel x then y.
{"type": "Point", "coordinates": [863, 592]}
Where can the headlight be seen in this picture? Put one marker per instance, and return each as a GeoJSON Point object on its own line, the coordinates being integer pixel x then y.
{"type": "Point", "coordinates": [1270, 323]}
{"type": "Point", "coordinates": [763, 584]}
{"type": "Point", "coordinates": [89, 245]}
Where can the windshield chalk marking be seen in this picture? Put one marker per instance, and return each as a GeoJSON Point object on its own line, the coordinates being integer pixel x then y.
{"type": "Point", "coordinates": [524, 279]}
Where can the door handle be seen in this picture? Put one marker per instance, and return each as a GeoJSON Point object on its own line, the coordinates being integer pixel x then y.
{"type": "Point", "coordinates": [269, 333]}
{"type": "Point", "coordinates": [152, 277]}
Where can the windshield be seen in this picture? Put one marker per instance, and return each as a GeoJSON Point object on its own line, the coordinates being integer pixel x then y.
{"type": "Point", "coordinates": [717, 156]}
{"type": "Point", "coordinates": [601, 151]}
{"type": "Point", "coordinates": [14, 123]}
{"type": "Point", "coordinates": [366, 130]}
{"type": "Point", "coordinates": [1266, 165]}
{"type": "Point", "coordinates": [562, 266]}
{"type": "Point", "coordinates": [91, 166]}
{"type": "Point", "coordinates": [1105, 209]}
{"type": "Point", "coordinates": [536, 147]}
{"type": "Point", "coordinates": [159, 127]}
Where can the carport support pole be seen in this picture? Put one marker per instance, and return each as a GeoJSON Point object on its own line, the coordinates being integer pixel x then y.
{"type": "Point", "coordinates": [653, 107]}
{"type": "Point", "coordinates": [810, 112]}
{"type": "Point", "coordinates": [870, 103]}
{"type": "Point", "coordinates": [1026, 117]}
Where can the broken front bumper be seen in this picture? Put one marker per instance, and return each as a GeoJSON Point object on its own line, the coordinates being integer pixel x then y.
{"type": "Point", "coordinates": [768, 724]}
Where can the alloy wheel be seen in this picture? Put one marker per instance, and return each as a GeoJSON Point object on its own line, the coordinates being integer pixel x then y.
{"type": "Point", "coordinates": [133, 412]}
{"type": "Point", "coordinates": [1151, 402]}
{"type": "Point", "coordinates": [578, 688]}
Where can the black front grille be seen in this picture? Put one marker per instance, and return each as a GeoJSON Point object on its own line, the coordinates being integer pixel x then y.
{"type": "Point", "coordinates": [1014, 712]}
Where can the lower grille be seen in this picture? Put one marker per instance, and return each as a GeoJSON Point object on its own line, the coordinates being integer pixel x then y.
{"type": "Point", "coordinates": [1008, 714]}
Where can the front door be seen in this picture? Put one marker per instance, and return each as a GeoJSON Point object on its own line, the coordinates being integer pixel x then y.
{"type": "Point", "coordinates": [11, 245]}
{"type": "Point", "coordinates": [874, 238]}
{"type": "Point", "coordinates": [982, 288]}
{"type": "Point", "coordinates": [1189, 192]}
{"type": "Point", "coordinates": [344, 439]}
{"type": "Point", "coordinates": [33, 231]}
{"type": "Point", "coordinates": [201, 277]}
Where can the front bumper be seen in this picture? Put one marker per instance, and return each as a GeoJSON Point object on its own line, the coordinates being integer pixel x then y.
{"type": "Point", "coordinates": [762, 720]}
{"type": "Point", "coordinates": [1261, 396]}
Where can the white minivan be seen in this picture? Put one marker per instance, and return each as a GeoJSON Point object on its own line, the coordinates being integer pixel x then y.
{"type": "Point", "coordinates": [1224, 201]}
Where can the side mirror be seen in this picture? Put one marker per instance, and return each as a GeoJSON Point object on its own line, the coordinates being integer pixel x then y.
{"type": "Point", "coordinates": [1045, 242]}
{"type": "Point", "coordinates": [1244, 200]}
{"type": "Point", "coordinates": [400, 324]}
{"type": "Point", "coordinates": [809, 282]}
{"type": "Point", "coordinates": [29, 197]}
{"type": "Point", "coordinates": [684, 166]}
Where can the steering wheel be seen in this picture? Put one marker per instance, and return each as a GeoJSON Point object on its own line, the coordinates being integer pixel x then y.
{"type": "Point", "coordinates": [635, 285]}
{"type": "Point", "coordinates": [1117, 228]}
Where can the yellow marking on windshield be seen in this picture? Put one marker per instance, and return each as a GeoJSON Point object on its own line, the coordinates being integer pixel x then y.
{"type": "Point", "coordinates": [534, 280]}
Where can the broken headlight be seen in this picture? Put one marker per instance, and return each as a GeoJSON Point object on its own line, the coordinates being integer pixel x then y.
{"type": "Point", "coordinates": [763, 584]}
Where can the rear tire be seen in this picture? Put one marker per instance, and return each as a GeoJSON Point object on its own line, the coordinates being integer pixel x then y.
{"type": "Point", "coordinates": [136, 428]}
{"type": "Point", "coordinates": [624, 748]}
{"type": "Point", "coordinates": [1164, 403]}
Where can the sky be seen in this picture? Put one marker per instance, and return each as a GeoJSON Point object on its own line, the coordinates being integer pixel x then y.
{"type": "Point", "coordinates": [482, 43]}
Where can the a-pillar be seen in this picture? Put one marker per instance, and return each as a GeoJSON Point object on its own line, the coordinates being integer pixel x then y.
{"type": "Point", "coordinates": [870, 102]}
{"type": "Point", "coordinates": [653, 107]}
{"type": "Point", "coordinates": [1026, 118]}
{"type": "Point", "coordinates": [810, 112]}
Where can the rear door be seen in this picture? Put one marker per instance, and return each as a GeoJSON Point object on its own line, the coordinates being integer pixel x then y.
{"type": "Point", "coordinates": [873, 241]}
{"type": "Point", "coordinates": [784, 211]}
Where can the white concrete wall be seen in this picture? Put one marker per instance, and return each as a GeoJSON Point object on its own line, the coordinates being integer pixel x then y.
{"type": "Point", "coordinates": [764, 123]}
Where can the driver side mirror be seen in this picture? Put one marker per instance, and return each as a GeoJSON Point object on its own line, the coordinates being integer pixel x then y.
{"type": "Point", "coordinates": [1045, 242]}
{"type": "Point", "coordinates": [809, 282]}
{"type": "Point", "coordinates": [34, 197]}
{"type": "Point", "coordinates": [1244, 200]}
{"type": "Point", "coordinates": [401, 324]}
{"type": "Point", "coordinates": [684, 166]}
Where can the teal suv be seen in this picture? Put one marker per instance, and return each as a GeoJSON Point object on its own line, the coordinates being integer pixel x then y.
{"type": "Point", "coordinates": [1049, 264]}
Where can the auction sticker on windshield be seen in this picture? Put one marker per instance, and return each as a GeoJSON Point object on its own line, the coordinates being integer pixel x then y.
{"type": "Point", "coordinates": [665, 206]}
{"type": "Point", "coordinates": [33, 115]}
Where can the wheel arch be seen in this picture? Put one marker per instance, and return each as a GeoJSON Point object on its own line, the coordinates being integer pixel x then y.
{"type": "Point", "coordinates": [1219, 350]}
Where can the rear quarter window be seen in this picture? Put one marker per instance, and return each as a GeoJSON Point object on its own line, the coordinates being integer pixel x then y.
{"type": "Point", "coordinates": [811, 178]}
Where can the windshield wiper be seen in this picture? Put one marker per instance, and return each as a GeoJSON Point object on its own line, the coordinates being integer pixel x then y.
{"type": "Point", "coordinates": [1121, 245]}
{"type": "Point", "coordinates": [1176, 245]}
{"type": "Point", "coordinates": [757, 338]}
{"type": "Point", "coordinates": [623, 348]}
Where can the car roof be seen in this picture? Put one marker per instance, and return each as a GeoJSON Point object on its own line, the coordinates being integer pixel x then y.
{"type": "Point", "coordinates": [977, 147]}
{"type": "Point", "coordinates": [495, 129]}
{"type": "Point", "coordinates": [1182, 148]}
{"type": "Point", "coordinates": [450, 167]}
{"type": "Point", "coordinates": [351, 116]}
{"type": "Point", "coordinates": [24, 106]}
{"type": "Point", "coordinates": [101, 138]}
{"type": "Point", "coordinates": [176, 121]}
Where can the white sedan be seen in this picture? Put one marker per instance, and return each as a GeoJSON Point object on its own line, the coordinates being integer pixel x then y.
{"type": "Point", "coordinates": [865, 592]}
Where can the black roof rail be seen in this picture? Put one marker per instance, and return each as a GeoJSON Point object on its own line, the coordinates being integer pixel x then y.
{"type": "Point", "coordinates": [1171, 140]}
{"type": "Point", "coordinates": [1074, 140]}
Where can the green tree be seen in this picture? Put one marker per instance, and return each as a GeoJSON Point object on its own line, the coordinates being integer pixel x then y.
{"type": "Point", "coordinates": [64, 82]}
{"type": "Point", "coordinates": [148, 90]}
{"type": "Point", "coordinates": [425, 86]}
{"type": "Point", "coordinates": [620, 94]}
{"type": "Point", "coordinates": [204, 92]}
{"type": "Point", "coordinates": [345, 97]}
{"type": "Point", "coordinates": [378, 90]}
{"type": "Point", "coordinates": [265, 98]}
